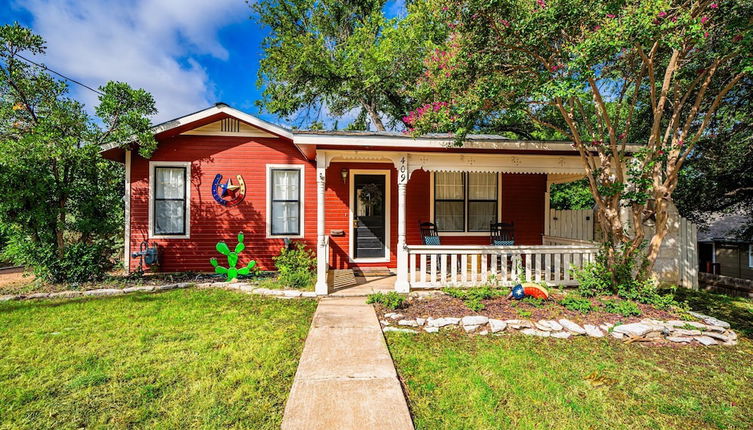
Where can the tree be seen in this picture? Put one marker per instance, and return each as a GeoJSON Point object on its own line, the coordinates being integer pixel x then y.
{"type": "Point", "coordinates": [341, 57]}
{"type": "Point", "coordinates": [597, 65]}
{"type": "Point", "coordinates": [571, 196]}
{"type": "Point", "coordinates": [59, 200]}
{"type": "Point", "coordinates": [718, 175]}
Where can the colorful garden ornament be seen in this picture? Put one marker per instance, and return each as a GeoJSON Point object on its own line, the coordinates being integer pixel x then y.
{"type": "Point", "coordinates": [220, 191]}
{"type": "Point", "coordinates": [521, 291]}
{"type": "Point", "coordinates": [232, 260]}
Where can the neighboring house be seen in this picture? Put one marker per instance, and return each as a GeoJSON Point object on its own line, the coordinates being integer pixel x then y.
{"type": "Point", "coordinates": [721, 251]}
{"type": "Point", "coordinates": [356, 198]}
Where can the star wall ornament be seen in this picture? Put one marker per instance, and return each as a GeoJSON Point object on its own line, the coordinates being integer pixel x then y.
{"type": "Point", "coordinates": [222, 190]}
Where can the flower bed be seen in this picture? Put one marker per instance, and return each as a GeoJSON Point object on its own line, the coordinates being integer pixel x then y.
{"type": "Point", "coordinates": [549, 318]}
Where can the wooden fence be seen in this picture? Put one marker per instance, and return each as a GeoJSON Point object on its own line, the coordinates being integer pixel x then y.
{"type": "Point", "coordinates": [572, 224]}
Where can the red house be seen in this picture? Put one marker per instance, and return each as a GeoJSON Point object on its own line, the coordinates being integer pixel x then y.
{"type": "Point", "coordinates": [357, 198]}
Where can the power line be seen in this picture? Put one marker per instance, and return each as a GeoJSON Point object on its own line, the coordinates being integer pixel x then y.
{"type": "Point", "coordinates": [60, 74]}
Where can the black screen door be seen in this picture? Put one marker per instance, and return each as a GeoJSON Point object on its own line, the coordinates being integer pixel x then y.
{"type": "Point", "coordinates": [369, 215]}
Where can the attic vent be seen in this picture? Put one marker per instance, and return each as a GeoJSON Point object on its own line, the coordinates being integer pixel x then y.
{"type": "Point", "coordinates": [231, 125]}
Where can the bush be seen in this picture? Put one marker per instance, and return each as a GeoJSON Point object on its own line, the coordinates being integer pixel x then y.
{"type": "Point", "coordinates": [391, 300]}
{"type": "Point", "coordinates": [80, 262]}
{"type": "Point", "coordinates": [296, 267]}
{"type": "Point", "coordinates": [625, 308]}
{"type": "Point", "coordinates": [533, 301]}
{"type": "Point", "coordinates": [577, 304]}
{"type": "Point", "coordinates": [472, 297]}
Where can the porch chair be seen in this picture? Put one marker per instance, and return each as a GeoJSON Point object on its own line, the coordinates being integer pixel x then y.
{"type": "Point", "coordinates": [502, 234]}
{"type": "Point", "coordinates": [429, 235]}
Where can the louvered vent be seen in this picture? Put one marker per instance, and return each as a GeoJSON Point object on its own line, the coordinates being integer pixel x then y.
{"type": "Point", "coordinates": [230, 125]}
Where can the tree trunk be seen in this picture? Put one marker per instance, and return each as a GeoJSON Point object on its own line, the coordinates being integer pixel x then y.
{"type": "Point", "coordinates": [373, 115]}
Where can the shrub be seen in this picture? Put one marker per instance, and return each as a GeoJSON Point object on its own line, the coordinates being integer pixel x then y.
{"type": "Point", "coordinates": [472, 297]}
{"type": "Point", "coordinates": [533, 301]}
{"type": "Point", "coordinates": [593, 280]}
{"type": "Point", "coordinates": [577, 304]}
{"type": "Point", "coordinates": [296, 267]}
{"type": "Point", "coordinates": [80, 262]}
{"type": "Point", "coordinates": [625, 308]}
{"type": "Point", "coordinates": [391, 300]}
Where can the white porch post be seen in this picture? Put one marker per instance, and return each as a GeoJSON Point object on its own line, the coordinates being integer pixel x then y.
{"type": "Point", "coordinates": [322, 245]}
{"type": "Point", "coordinates": [401, 284]}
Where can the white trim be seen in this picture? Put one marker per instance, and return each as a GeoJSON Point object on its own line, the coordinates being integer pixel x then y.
{"type": "Point", "coordinates": [750, 255]}
{"type": "Point", "coordinates": [387, 217]}
{"type": "Point", "coordinates": [127, 215]}
{"type": "Point", "coordinates": [187, 166]}
{"type": "Point", "coordinates": [465, 209]}
{"type": "Point", "coordinates": [301, 196]}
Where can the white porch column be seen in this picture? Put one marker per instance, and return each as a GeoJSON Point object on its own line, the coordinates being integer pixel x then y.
{"type": "Point", "coordinates": [401, 284]}
{"type": "Point", "coordinates": [322, 243]}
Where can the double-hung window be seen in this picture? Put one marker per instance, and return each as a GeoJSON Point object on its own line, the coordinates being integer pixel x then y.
{"type": "Point", "coordinates": [169, 205]}
{"type": "Point", "coordinates": [285, 192]}
{"type": "Point", "coordinates": [465, 202]}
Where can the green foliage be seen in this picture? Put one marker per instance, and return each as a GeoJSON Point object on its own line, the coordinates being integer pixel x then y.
{"type": "Point", "coordinates": [533, 301]}
{"type": "Point", "coordinates": [524, 313]}
{"type": "Point", "coordinates": [56, 191]}
{"type": "Point", "coordinates": [344, 56]}
{"type": "Point", "coordinates": [571, 196]}
{"type": "Point", "coordinates": [576, 304]}
{"type": "Point", "coordinates": [625, 308]}
{"type": "Point", "coordinates": [391, 300]}
{"type": "Point", "coordinates": [472, 297]}
{"type": "Point", "coordinates": [231, 270]}
{"type": "Point", "coordinates": [593, 279]}
{"type": "Point", "coordinates": [296, 267]}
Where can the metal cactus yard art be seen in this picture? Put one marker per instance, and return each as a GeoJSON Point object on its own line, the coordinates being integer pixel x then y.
{"type": "Point", "coordinates": [232, 260]}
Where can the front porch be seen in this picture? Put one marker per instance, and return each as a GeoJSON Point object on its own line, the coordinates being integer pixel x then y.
{"type": "Point", "coordinates": [513, 188]}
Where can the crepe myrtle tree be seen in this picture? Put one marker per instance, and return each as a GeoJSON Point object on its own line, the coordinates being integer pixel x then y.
{"type": "Point", "coordinates": [59, 200]}
{"type": "Point", "coordinates": [605, 75]}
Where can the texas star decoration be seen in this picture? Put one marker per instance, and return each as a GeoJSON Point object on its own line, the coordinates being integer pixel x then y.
{"type": "Point", "coordinates": [222, 190]}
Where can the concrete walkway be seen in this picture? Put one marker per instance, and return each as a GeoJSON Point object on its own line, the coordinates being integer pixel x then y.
{"type": "Point", "coordinates": [346, 378]}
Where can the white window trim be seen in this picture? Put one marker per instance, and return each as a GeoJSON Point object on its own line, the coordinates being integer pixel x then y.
{"type": "Point", "coordinates": [387, 215]}
{"type": "Point", "coordinates": [750, 255]}
{"type": "Point", "coordinates": [464, 233]}
{"type": "Point", "coordinates": [302, 197]}
{"type": "Point", "coordinates": [152, 166]}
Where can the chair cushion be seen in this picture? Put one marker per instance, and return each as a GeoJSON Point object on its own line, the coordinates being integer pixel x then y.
{"type": "Point", "coordinates": [504, 242]}
{"type": "Point", "coordinates": [431, 240]}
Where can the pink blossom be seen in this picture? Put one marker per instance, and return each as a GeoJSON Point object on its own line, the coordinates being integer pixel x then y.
{"type": "Point", "coordinates": [621, 136]}
{"type": "Point", "coordinates": [661, 152]}
{"type": "Point", "coordinates": [656, 21]}
{"type": "Point", "coordinates": [680, 142]}
{"type": "Point", "coordinates": [662, 14]}
{"type": "Point", "coordinates": [541, 3]}
{"type": "Point", "coordinates": [597, 28]}
{"type": "Point", "coordinates": [673, 19]}
{"type": "Point", "coordinates": [504, 22]}
{"type": "Point", "coordinates": [445, 9]}
{"type": "Point", "coordinates": [737, 38]}
{"type": "Point", "coordinates": [610, 16]}
{"type": "Point", "coordinates": [706, 34]}
{"type": "Point", "coordinates": [704, 20]}
{"type": "Point", "coordinates": [713, 6]}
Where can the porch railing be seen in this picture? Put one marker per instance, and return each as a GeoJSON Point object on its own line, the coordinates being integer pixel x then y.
{"type": "Point", "coordinates": [557, 240]}
{"type": "Point", "coordinates": [437, 266]}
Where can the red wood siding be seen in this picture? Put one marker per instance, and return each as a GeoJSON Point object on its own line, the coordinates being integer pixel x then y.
{"type": "Point", "coordinates": [211, 222]}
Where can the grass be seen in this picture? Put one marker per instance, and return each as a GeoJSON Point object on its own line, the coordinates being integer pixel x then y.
{"type": "Point", "coordinates": [454, 381]}
{"type": "Point", "coordinates": [180, 359]}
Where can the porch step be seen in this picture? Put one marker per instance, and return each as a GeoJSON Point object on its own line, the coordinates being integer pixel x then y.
{"type": "Point", "coordinates": [368, 272]}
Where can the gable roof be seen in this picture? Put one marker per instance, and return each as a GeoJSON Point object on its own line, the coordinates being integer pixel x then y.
{"type": "Point", "coordinates": [724, 228]}
{"type": "Point", "coordinates": [306, 141]}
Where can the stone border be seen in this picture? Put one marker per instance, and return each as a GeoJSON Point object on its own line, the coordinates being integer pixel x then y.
{"type": "Point", "coordinates": [713, 332]}
{"type": "Point", "coordinates": [237, 286]}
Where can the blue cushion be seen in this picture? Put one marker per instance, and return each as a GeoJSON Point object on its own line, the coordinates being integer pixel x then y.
{"type": "Point", "coordinates": [431, 240]}
{"type": "Point", "coordinates": [504, 242]}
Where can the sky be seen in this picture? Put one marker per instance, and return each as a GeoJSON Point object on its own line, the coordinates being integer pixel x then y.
{"type": "Point", "coordinates": [189, 54]}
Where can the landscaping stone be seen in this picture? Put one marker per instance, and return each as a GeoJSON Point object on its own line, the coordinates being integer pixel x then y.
{"type": "Point", "coordinates": [67, 294]}
{"type": "Point", "coordinates": [393, 315]}
{"type": "Point", "coordinates": [248, 288]}
{"type": "Point", "coordinates": [685, 332]}
{"type": "Point", "coordinates": [483, 332]}
{"type": "Point", "coordinates": [165, 287]}
{"type": "Point", "coordinates": [432, 329]}
{"type": "Point", "coordinates": [399, 330]}
{"type": "Point", "coordinates": [705, 340]}
{"type": "Point", "coordinates": [292, 293]}
{"type": "Point", "coordinates": [680, 339]}
{"type": "Point", "coordinates": [441, 322]}
{"type": "Point", "coordinates": [475, 320]}
{"type": "Point", "coordinates": [634, 329]}
{"type": "Point", "coordinates": [717, 336]}
{"type": "Point", "coordinates": [421, 321]}
{"type": "Point", "coordinates": [411, 323]}
{"type": "Point", "coordinates": [572, 327]}
{"type": "Point", "coordinates": [384, 322]}
{"type": "Point", "coordinates": [560, 335]}
{"type": "Point", "coordinates": [104, 292]}
{"type": "Point", "coordinates": [7, 298]}
{"type": "Point", "coordinates": [542, 325]}
{"type": "Point", "coordinates": [519, 324]}
{"type": "Point", "coordinates": [716, 328]}
{"type": "Point", "coordinates": [497, 325]}
{"type": "Point", "coordinates": [554, 325]}
{"type": "Point", "coordinates": [593, 331]}
{"type": "Point", "coordinates": [470, 328]}
{"type": "Point", "coordinates": [617, 335]}
{"type": "Point", "coordinates": [141, 289]}
{"type": "Point", "coordinates": [716, 322]}
{"type": "Point", "coordinates": [534, 332]}
{"type": "Point", "coordinates": [38, 296]}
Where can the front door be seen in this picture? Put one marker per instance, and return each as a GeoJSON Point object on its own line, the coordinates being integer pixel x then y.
{"type": "Point", "coordinates": [369, 203]}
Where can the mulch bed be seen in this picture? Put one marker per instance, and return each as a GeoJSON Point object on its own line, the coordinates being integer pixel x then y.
{"type": "Point", "coordinates": [504, 309]}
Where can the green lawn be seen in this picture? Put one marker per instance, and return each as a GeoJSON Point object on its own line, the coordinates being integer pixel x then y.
{"type": "Point", "coordinates": [454, 381]}
{"type": "Point", "coordinates": [180, 359]}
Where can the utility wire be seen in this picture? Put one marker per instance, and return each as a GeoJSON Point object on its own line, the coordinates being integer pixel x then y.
{"type": "Point", "coordinates": [60, 74]}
